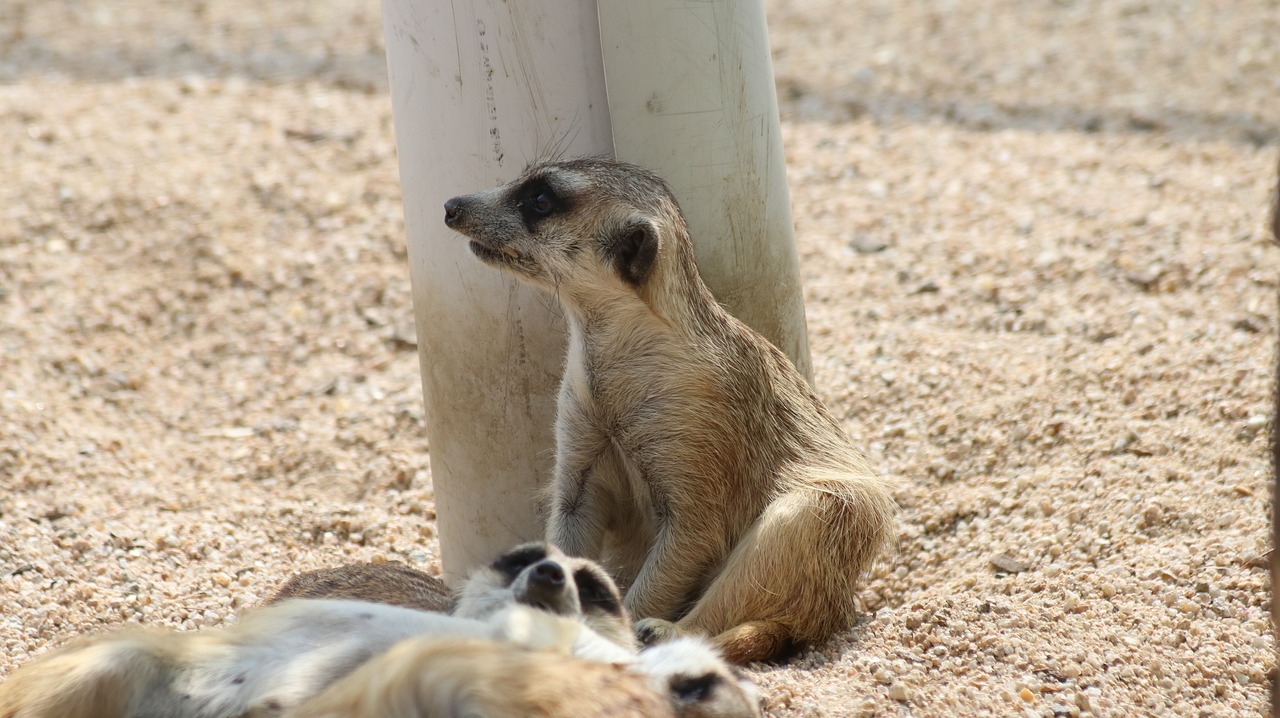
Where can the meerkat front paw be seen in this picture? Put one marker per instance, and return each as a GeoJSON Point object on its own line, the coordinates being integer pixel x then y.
{"type": "Point", "coordinates": [652, 631]}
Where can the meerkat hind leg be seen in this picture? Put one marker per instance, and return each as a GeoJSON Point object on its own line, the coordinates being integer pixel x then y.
{"type": "Point", "coordinates": [793, 576]}
{"type": "Point", "coordinates": [630, 533]}
{"type": "Point", "coordinates": [745, 643]}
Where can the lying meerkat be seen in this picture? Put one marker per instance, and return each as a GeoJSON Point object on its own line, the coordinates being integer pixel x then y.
{"type": "Point", "coordinates": [390, 582]}
{"type": "Point", "coordinates": [275, 659]}
{"type": "Point", "coordinates": [542, 576]}
{"type": "Point", "coordinates": [690, 453]}
{"type": "Point", "coordinates": [426, 679]}
{"type": "Point", "coordinates": [429, 677]}
{"type": "Point", "coordinates": [288, 652]}
{"type": "Point", "coordinates": [533, 574]}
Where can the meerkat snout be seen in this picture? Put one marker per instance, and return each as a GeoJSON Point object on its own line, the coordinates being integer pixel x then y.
{"type": "Point", "coordinates": [453, 211]}
{"type": "Point", "coordinates": [544, 587]}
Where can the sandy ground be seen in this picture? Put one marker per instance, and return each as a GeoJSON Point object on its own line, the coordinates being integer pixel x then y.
{"type": "Point", "coordinates": [1039, 292]}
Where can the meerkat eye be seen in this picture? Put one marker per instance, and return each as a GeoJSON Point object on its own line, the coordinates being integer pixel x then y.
{"type": "Point", "coordinates": [510, 564]}
{"type": "Point", "coordinates": [543, 204]}
{"type": "Point", "coordinates": [537, 201]}
{"type": "Point", "coordinates": [592, 591]}
{"type": "Point", "coordinates": [694, 689]}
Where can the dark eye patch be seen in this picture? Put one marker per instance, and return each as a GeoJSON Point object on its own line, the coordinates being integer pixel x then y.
{"type": "Point", "coordinates": [537, 200]}
{"type": "Point", "coordinates": [594, 592]}
{"type": "Point", "coordinates": [694, 689]}
{"type": "Point", "coordinates": [511, 563]}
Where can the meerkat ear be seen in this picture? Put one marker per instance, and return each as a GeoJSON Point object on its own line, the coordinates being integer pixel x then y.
{"type": "Point", "coordinates": [633, 251]}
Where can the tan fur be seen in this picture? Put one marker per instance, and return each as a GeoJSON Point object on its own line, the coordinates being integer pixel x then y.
{"type": "Point", "coordinates": [690, 453]}
{"type": "Point", "coordinates": [425, 679]}
{"type": "Point", "coordinates": [273, 659]}
{"type": "Point", "coordinates": [391, 583]}
{"type": "Point", "coordinates": [487, 589]}
{"type": "Point", "coordinates": [87, 679]}
{"type": "Point", "coordinates": [290, 651]}
{"type": "Point", "coordinates": [317, 658]}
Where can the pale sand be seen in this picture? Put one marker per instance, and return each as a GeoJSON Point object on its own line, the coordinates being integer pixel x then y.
{"type": "Point", "coordinates": [1062, 353]}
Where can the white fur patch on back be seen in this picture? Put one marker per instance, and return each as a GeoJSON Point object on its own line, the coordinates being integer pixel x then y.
{"type": "Point", "coordinates": [680, 657]}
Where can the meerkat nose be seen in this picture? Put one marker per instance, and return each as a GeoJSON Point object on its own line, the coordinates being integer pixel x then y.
{"type": "Point", "coordinates": [548, 573]}
{"type": "Point", "coordinates": [452, 211]}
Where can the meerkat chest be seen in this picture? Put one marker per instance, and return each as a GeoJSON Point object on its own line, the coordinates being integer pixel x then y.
{"type": "Point", "coordinates": [627, 381]}
{"type": "Point", "coordinates": [576, 381]}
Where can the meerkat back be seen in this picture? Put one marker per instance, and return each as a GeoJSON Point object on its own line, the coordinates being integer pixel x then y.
{"type": "Point", "coordinates": [391, 583]}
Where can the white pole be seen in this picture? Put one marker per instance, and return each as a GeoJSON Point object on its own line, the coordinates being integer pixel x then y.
{"type": "Point", "coordinates": [478, 89]}
{"type": "Point", "coordinates": [691, 96]}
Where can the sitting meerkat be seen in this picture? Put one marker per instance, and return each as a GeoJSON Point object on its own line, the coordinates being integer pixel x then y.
{"type": "Point", "coordinates": [289, 652]}
{"type": "Point", "coordinates": [690, 454]}
{"type": "Point", "coordinates": [445, 678]}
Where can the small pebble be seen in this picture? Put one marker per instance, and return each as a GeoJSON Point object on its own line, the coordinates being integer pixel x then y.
{"type": "Point", "coordinates": [1008, 564]}
{"type": "Point", "coordinates": [867, 244]}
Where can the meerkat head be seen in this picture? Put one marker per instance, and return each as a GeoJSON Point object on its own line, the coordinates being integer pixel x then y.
{"type": "Point", "coordinates": [698, 682]}
{"type": "Point", "coordinates": [578, 227]}
{"type": "Point", "coordinates": [541, 576]}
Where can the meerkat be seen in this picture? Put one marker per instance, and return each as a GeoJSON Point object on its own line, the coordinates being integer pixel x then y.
{"type": "Point", "coordinates": [690, 453]}
{"type": "Point", "coordinates": [426, 679]}
{"type": "Point", "coordinates": [533, 574]}
{"type": "Point", "coordinates": [276, 658]}
{"type": "Point", "coordinates": [288, 652]}
{"type": "Point", "coordinates": [541, 576]}
{"type": "Point", "coordinates": [389, 582]}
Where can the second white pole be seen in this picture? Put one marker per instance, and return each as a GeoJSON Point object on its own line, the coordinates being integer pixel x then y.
{"type": "Point", "coordinates": [691, 97]}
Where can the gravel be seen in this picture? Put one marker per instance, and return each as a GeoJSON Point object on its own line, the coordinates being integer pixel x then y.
{"type": "Point", "coordinates": [1039, 286]}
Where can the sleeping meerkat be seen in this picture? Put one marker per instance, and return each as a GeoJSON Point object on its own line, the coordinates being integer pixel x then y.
{"type": "Point", "coordinates": [390, 582]}
{"type": "Point", "coordinates": [542, 576]}
{"type": "Point", "coordinates": [274, 659]}
{"type": "Point", "coordinates": [445, 678]}
{"type": "Point", "coordinates": [533, 574]}
{"type": "Point", "coordinates": [421, 678]}
{"type": "Point", "coordinates": [690, 454]}
{"type": "Point", "coordinates": [288, 652]}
